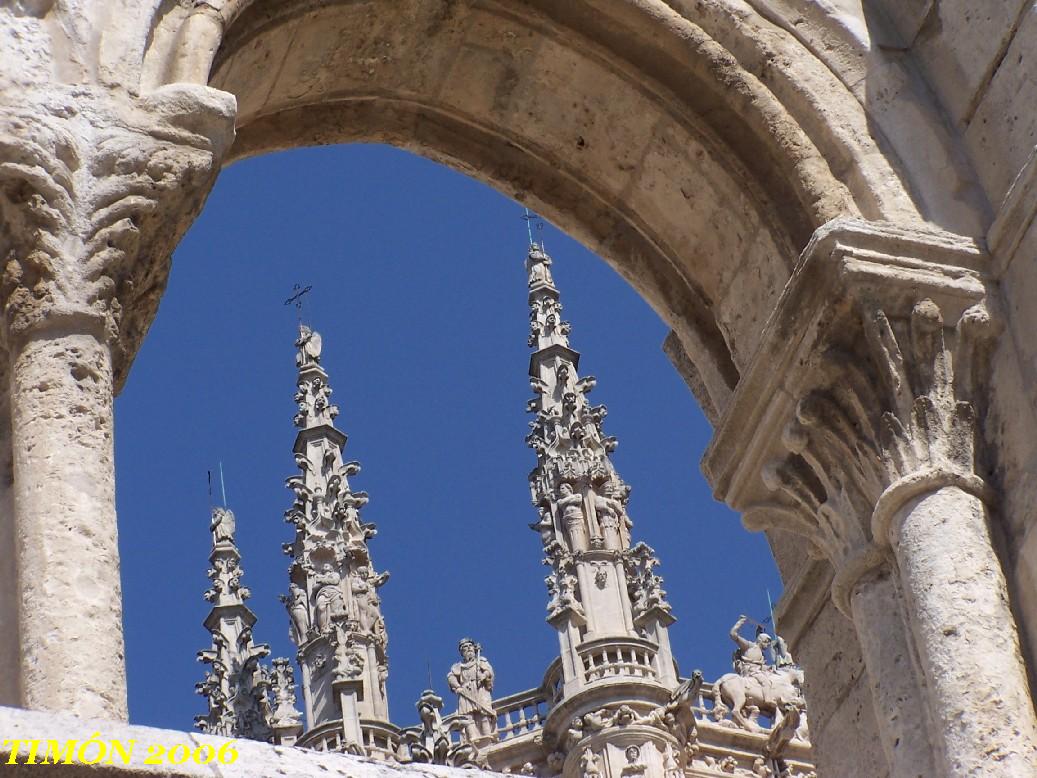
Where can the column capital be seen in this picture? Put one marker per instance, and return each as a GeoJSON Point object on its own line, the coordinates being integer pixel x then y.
{"type": "Point", "coordinates": [861, 393]}
{"type": "Point", "coordinates": [96, 189]}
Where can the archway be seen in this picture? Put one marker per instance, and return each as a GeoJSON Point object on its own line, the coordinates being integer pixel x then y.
{"type": "Point", "coordinates": [697, 163]}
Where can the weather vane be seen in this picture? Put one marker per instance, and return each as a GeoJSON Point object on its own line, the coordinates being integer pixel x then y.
{"type": "Point", "coordinates": [296, 298]}
{"type": "Point", "coordinates": [529, 217]}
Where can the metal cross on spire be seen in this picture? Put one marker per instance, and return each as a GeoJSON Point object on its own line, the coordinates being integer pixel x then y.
{"type": "Point", "coordinates": [529, 217]}
{"type": "Point", "coordinates": [296, 298]}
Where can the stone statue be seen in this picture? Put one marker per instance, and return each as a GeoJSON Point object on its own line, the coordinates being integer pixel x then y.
{"type": "Point", "coordinates": [349, 658]}
{"type": "Point", "coordinates": [471, 680]}
{"type": "Point", "coordinates": [538, 268]}
{"type": "Point", "coordinates": [609, 511]}
{"type": "Point", "coordinates": [750, 657]}
{"type": "Point", "coordinates": [298, 612]}
{"type": "Point", "coordinates": [755, 684]}
{"type": "Point", "coordinates": [590, 764]}
{"type": "Point", "coordinates": [780, 651]}
{"type": "Point", "coordinates": [571, 506]}
{"type": "Point", "coordinates": [222, 525]}
{"type": "Point", "coordinates": [363, 585]}
{"type": "Point", "coordinates": [309, 345]}
{"type": "Point", "coordinates": [328, 602]}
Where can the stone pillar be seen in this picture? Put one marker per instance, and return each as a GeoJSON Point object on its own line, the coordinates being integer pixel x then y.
{"type": "Point", "coordinates": [902, 718]}
{"type": "Point", "coordinates": [10, 674]}
{"type": "Point", "coordinates": [95, 191]}
{"type": "Point", "coordinates": [70, 601]}
{"type": "Point", "coordinates": [968, 645]}
{"type": "Point", "coordinates": [855, 427]}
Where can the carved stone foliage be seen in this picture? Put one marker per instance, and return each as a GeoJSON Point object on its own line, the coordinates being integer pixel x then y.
{"type": "Point", "coordinates": [895, 401]}
{"type": "Point", "coordinates": [282, 692]}
{"type": "Point", "coordinates": [95, 191]}
{"type": "Point", "coordinates": [643, 585]}
{"type": "Point", "coordinates": [433, 741]}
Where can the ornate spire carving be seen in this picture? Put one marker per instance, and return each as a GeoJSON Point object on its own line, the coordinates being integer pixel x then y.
{"type": "Point", "coordinates": [236, 685]}
{"type": "Point", "coordinates": [599, 585]}
{"type": "Point", "coordinates": [333, 603]}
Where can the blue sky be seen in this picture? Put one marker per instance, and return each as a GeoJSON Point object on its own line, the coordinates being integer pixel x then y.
{"type": "Point", "coordinates": [419, 293]}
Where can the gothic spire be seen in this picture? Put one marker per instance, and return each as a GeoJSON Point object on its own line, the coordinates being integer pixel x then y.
{"type": "Point", "coordinates": [600, 586]}
{"type": "Point", "coordinates": [236, 684]}
{"type": "Point", "coordinates": [333, 602]}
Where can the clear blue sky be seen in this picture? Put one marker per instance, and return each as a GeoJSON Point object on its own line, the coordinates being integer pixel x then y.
{"type": "Point", "coordinates": [419, 293]}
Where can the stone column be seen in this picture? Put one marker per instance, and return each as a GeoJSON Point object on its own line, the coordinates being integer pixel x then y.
{"type": "Point", "coordinates": [10, 675]}
{"type": "Point", "coordinates": [902, 717]}
{"type": "Point", "coordinates": [70, 602]}
{"type": "Point", "coordinates": [95, 191]}
{"type": "Point", "coordinates": [957, 602]}
{"type": "Point", "coordinates": [855, 427]}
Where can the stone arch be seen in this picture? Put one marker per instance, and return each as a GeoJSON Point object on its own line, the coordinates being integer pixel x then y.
{"type": "Point", "coordinates": [697, 146]}
{"type": "Point", "coordinates": [695, 149]}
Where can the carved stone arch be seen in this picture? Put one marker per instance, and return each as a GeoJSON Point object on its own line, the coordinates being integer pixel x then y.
{"type": "Point", "coordinates": [668, 139]}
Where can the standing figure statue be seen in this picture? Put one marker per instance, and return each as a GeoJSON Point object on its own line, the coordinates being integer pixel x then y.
{"type": "Point", "coordinates": [471, 680]}
{"type": "Point", "coordinates": [609, 511]}
{"type": "Point", "coordinates": [309, 345]}
{"type": "Point", "coordinates": [363, 584]}
{"type": "Point", "coordinates": [297, 610]}
{"type": "Point", "coordinates": [328, 602]}
{"type": "Point", "coordinates": [538, 267]}
{"type": "Point", "coordinates": [571, 506]}
{"type": "Point", "coordinates": [222, 525]}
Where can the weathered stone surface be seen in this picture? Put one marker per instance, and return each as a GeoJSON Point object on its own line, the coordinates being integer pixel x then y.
{"type": "Point", "coordinates": [696, 146]}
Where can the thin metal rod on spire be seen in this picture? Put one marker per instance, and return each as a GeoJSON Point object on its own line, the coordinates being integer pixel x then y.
{"type": "Point", "coordinates": [223, 488]}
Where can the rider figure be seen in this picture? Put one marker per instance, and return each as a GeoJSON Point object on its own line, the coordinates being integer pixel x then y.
{"type": "Point", "coordinates": [750, 658]}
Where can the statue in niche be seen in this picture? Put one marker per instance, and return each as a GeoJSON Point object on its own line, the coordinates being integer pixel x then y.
{"type": "Point", "coordinates": [545, 526]}
{"type": "Point", "coordinates": [295, 602]}
{"type": "Point", "coordinates": [328, 601]}
{"type": "Point", "coordinates": [309, 345]}
{"type": "Point", "coordinates": [609, 511]}
{"type": "Point", "coordinates": [571, 506]}
{"type": "Point", "coordinates": [349, 658]}
{"type": "Point", "coordinates": [471, 680]}
{"type": "Point", "coordinates": [363, 585]}
{"type": "Point", "coordinates": [590, 764]}
{"type": "Point", "coordinates": [222, 525]}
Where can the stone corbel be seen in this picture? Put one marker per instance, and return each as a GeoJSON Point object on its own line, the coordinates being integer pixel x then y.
{"type": "Point", "coordinates": [854, 427]}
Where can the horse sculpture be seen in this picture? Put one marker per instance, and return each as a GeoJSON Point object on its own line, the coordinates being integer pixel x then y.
{"type": "Point", "coordinates": [767, 690]}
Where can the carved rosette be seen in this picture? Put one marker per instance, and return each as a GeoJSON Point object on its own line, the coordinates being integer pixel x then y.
{"type": "Point", "coordinates": [96, 190]}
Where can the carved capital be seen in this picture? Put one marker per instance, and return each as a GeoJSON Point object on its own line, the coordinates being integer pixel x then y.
{"type": "Point", "coordinates": [96, 190]}
{"type": "Point", "coordinates": [863, 394]}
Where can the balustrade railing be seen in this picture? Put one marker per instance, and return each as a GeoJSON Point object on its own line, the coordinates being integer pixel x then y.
{"type": "Point", "coordinates": [611, 657]}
